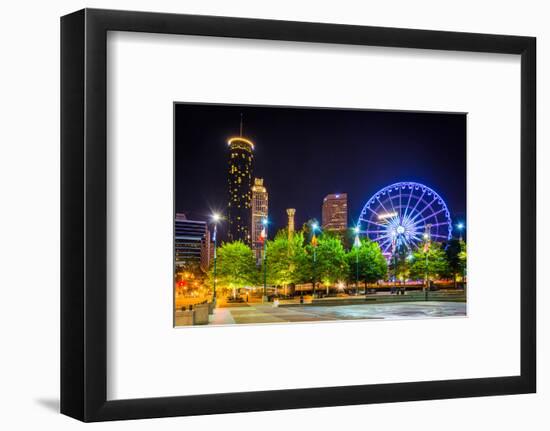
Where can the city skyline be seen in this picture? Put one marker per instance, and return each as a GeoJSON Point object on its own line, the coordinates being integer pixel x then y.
{"type": "Point", "coordinates": [384, 194]}
{"type": "Point", "coordinates": [425, 142]}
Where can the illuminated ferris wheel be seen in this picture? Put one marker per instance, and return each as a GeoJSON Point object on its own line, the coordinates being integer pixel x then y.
{"type": "Point", "coordinates": [402, 215]}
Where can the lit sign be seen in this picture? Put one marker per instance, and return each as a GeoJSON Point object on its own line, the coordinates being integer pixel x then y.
{"type": "Point", "coordinates": [387, 216]}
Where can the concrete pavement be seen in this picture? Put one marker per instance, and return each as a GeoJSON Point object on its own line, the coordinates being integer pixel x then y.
{"type": "Point", "coordinates": [260, 313]}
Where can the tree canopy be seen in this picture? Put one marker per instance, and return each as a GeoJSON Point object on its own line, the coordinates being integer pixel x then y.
{"type": "Point", "coordinates": [430, 261]}
{"type": "Point", "coordinates": [366, 261]}
{"type": "Point", "coordinates": [236, 266]}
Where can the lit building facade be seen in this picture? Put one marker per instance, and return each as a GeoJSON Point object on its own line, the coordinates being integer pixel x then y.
{"type": "Point", "coordinates": [239, 181]}
{"type": "Point", "coordinates": [259, 213]}
{"type": "Point", "coordinates": [191, 243]}
{"type": "Point", "coordinates": [335, 212]}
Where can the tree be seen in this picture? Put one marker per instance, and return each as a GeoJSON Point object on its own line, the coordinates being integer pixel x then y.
{"type": "Point", "coordinates": [236, 266]}
{"type": "Point", "coordinates": [456, 257]}
{"type": "Point", "coordinates": [430, 261]}
{"type": "Point", "coordinates": [285, 259]}
{"type": "Point", "coordinates": [399, 265]}
{"type": "Point", "coordinates": [331, 264]}
{"type": "Point", "coordinates": [367, 261]}
{"type": "Point", "coordinates": [279, 265]}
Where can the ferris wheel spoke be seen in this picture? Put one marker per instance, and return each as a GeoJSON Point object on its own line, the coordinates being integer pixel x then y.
{"type": "Point", "coordinates": [417, 202]}
{"type": "Point", "coordinates": [383, 206]}
{"type": "Point", "coordinates": [416, 237]}
{"type": "Point", "coordinates": [387, 237]}
{"type": "Point", "coordinates": [391, 202]}
{"type": "Point", "coordinates": [400, 204]}
{"type": "Point", "coordinates": [434, 224]}
{"type": "Point", "coordinates": [408, 203]}
{"type": "Point", "coordinates": [372, 211]}
{"type": "Point", "coordinates": [386, 248]}
{"type": "Point", "coordinates": [383, 244]}
{"type": "Point", "coordinates": [428, 217]}
{"type": "Point", "coordinates": [424, 209]}
{"type": "Point", "coordinates": [374, 223]}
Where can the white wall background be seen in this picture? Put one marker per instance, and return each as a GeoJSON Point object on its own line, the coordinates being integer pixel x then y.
{"type": "Point", "coordinates": [29, 216]}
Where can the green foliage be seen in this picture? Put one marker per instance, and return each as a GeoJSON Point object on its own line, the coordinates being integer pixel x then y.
{"type": "Point", "coordinates": [330, 259]}
{"type": "Point", "coordinates": [368, 260]}
{"type": "Point", "coordinates": [432, 263]}
{"type": "Point", "coordinates": [285, 259]}
{"type": "Point", "coordinates": [456, 257]}
{"type": "Point", "coordinates": [235, 266]}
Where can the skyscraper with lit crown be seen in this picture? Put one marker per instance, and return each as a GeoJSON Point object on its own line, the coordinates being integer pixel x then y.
{"type": "Point", "coordinates": [259, 213]}
{"type": "Point", "coordinates": [239, 181]}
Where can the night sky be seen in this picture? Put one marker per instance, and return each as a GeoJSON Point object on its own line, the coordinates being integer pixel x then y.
{"type": "Point", "coordinates": [303, 154]}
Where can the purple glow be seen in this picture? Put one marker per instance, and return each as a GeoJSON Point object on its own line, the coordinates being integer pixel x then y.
{"type": "Point", "coordinates": [401, 213]}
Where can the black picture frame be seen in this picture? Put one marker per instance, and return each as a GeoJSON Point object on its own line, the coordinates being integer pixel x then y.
{"type": "Point", "coordinates": [84, 214]}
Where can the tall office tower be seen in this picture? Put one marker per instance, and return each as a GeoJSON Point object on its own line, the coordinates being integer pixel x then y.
{"type": "Point", "coordinates": [259, 213]}
{"type": "Point", "coordinates": [335, 212]}
{"type": "Point", "coordinates": [239, 180]}
{"type": "Point", "coordinates": [290, 212]}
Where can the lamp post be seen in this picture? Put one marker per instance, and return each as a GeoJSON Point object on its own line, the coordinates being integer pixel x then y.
{"type": "Point", "coordinates": [357, 244]}
{"type": "Point", "coordinates": [426, 250]}
{"type": "Point", "coordinates": [264, 237]}
{"type": "Point", "coordinates": [314, 228]}
{"type": "Point", "coordinates": [215, 219]}
{"type": "Point", "coordinates": [460, 227]}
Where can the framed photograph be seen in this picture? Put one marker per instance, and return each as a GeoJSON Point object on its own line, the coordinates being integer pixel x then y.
{"type": "Point", "coordinates": [262, 215]}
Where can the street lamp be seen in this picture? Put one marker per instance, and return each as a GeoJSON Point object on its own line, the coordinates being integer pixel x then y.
{"type": "Point", "coordinates": [357, 245]}
{"type": "Point", "coordinates": [264, 238]}
{"type": "Point", "coordinates": [460, 227]}
{"type": "Point", "coordinates": [215, 219]}
{"type": "Point", "coordinates": [314, 228]}
{"type": "Point", "coordinates": [426, 250]}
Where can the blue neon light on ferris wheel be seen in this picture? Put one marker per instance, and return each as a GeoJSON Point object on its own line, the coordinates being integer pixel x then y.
{"type": "Point", "coordinates": [400, 215]}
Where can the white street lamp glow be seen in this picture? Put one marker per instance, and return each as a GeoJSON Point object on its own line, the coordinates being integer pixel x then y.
{"type": "Point", "coordinates": [216, 217]}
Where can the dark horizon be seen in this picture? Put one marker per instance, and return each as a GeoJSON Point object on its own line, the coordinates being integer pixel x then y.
{"type": "Point", "coordinates": [304, 154]}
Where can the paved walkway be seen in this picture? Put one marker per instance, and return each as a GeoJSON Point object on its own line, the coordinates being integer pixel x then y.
{"type": "Point", "coordinates": [310, 313]}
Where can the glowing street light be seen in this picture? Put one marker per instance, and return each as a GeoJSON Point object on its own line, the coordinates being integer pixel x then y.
{"type": "Point", "coordinates": [357, 245]}
{"type": "Point", "coordinates": [263, 238]}
{"type": "Point", "coordinates": [460, 227]}
{"type": "Point", "coordinates": [314, 228]}
{"type": "Point", "coordinates": [427, 238]}
{"type": "Point", "coordinates": [216, 218]}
